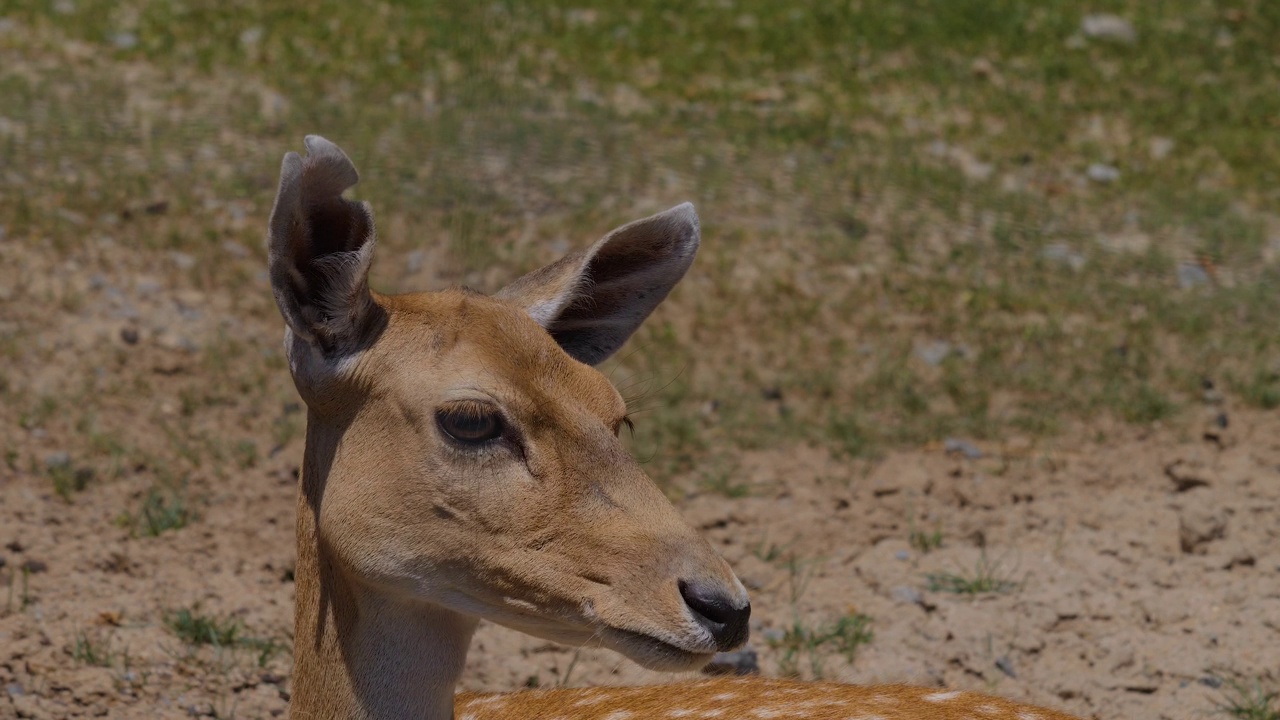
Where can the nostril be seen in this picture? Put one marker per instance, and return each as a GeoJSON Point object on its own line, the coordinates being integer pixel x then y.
{"type": "Point", "coordinates": [713, 608]}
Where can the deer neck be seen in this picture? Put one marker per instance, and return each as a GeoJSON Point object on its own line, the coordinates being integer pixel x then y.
{"type": "Point", "coordinates": [358, 654]}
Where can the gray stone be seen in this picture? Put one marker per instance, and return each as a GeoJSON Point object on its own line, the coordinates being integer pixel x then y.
{"type": "Point", "coordinates": [125, 40]}
{"type": "Point", "coordinates": [1062, 253]}
{"type": "Point", "coordinates": [1103, 173]}
{"type": "Point", "coordinates": [1191, 275]}
{"type": "Point", "coordinates": [907, 595]}
{"type": "Point", "coordinates": [56, 460]}
{"type": "Point", "coordinates": [738, 662]}
{"type": "Point", "coordinates": [934, 352]}
{"type": "Point", "coordinates": [962, 446]}
{"type": "Point", "coordinates": [1104, 26]}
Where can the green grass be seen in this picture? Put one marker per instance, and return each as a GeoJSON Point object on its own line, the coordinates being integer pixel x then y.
{"type": "Point", "coordinates": [986, 577]}
{"type": "Point", "coordinates": [164, 507]}
{"type": "Point", "coordinates": [1249, 700]}
{"type": "Point", "coordinates": [800, 640]}
{"type": "Point", "coordinates": [831, 150]}
{"type": "Point", "coordinates": [197, 629]}
{"type": "Point", "coordinates": [92, 649]}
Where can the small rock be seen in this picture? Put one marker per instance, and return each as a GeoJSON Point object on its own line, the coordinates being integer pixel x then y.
{"type": "Point", "coordinates": [961, 446]}
{"type": "Point", "coordinates": [251, 36]}
{"type": "Point", "coordinates": [738, 662]}
{"type": "Point", "coordinates": [1160, 148]}
{"type": "Point", "coordinates": [1005, 665]}
{"type": "Point", "coordinates": [15, 546]}
{"type": "Point", "coordinates": [1103, 173]}
{"type": "Point", "coordinates": [235, 249]}
{"type": "Point", "coordinates": [1192, 275]}
{"type": "Point", "coordinates": [129, 335]}
{"type": "Point", "coordinates": [1211, 681]}
{"type": "Point", "coordinates": [1062, 253]}
{"type": "Point", "coordinates": [184, 261]}
{"type": "Point", "coordinates": [1185, 476]}
{"type": "Point", "coordinates": [1104, 26]}
{"type": "Point", "coordinates": [1198, 526]}
{"type": "Point", "coordinates": [57, 460]}
{"type": "Point", "coordinates": [933, 353]}
{"type": "Point", "coordinates": [125, 40]}
{"type": "Point", "coordinates": [35, 567]}
{"type": "Point", "coordinates": [907, 595]}
{"type": "Point", "coordinates": [14, 690]}
{"type": "Point", "coordinates": [414, 261]}
{"type": "Point", "coordinates": [903, 555]}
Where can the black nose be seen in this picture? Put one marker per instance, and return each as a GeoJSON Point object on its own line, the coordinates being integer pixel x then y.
{"type": "Point", "coordinates": [715, 611]}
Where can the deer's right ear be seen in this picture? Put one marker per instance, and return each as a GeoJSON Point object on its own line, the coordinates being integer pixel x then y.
{"type": "Point", "coordinates": [319, 247]}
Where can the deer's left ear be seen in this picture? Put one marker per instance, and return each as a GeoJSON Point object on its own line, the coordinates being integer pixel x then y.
{"type": "Point", "coordinates": [592, 301]}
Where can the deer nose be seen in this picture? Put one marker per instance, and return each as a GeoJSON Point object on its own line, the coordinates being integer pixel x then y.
{"type": "Point", "coordinates": [714, 609]}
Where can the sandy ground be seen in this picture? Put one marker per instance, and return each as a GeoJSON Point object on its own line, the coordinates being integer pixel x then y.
{"type": "Point", "coordinates": [1145, 563]}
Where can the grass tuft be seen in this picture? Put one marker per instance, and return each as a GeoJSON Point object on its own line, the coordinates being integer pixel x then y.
{"type": "Point", "coordinates": [986, 577]}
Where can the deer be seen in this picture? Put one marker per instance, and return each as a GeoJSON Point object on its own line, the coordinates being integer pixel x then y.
{"type": "Point", "coordinates": [462, 461]}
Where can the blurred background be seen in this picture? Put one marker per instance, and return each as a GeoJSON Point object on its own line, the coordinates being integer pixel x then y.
{"type": "Point", "coordinates": [942, 240]}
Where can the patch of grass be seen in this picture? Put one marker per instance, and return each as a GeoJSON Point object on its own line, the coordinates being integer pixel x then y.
{"type": "Point", "coordinates": [163, 508]}
{"type": "Point", "coordinates": [93, 650]}
{"type": "Point", "coordinates": [1248, 700]}
{"type": "Point", "coordinates": [986, 577]}
{"type": "Point", "coordinates": [925, 541]}
{"type": "Point", "coordinates": [198, 629]}
{"type": "Point", "coordinates": [68, 479]}
{"type": "Point", "coordinates": [799, 639]}
{"type": "Point", "coordinates": [194, 628]}
{"type": "Point", "coordinates": [246, 454]}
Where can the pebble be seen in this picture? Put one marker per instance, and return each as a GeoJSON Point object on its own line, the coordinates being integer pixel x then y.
{"type": "Point", "coordinates": [903, 555]}
{"type": "Point", "coordinates": [738, 662]}
{"type": "Point", "coordinates": [1104, 26]}
{"type": "Point", "coordinates": [962, 446]}
{"type": "Point", "coordinates": [125, 40]}
{"type": "Point", "coordinates": [1191, 275]}
{"type": "Point", "coordinates": [14, 690]}
{"type": "Point", "coordinates": [933, 353]}
{"type": "Point", "coordinates": [1062, 253]}
{"type": "Point", "coordinates": [1005, 665]}
{"type": "Point", "coordinates": [56, 460]}
{"type": "Point", "coordinates": [1103, 173]}
{"type": "Point", "coordinates": [184, 261]}
{"type": "Point", "coordinates": [907, 594]}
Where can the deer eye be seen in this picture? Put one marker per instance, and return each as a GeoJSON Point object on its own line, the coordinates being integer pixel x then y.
{"type": "Point", "coordinates": [469, 423]}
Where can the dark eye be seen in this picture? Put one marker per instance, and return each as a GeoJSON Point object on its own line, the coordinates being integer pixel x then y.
{"type": "Point", "coordinates": [469, 423]}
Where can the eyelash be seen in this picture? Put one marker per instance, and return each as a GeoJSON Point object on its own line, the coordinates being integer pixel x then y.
{"type": "Point", "coordinates": [627, 422]}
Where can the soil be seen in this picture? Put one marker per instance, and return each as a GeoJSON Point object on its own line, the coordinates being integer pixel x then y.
{"type": "Point", "coordinates": [1141, 565]}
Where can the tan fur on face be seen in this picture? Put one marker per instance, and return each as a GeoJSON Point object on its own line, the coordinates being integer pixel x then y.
{"type": "Point", "coordinates": [558, 533]}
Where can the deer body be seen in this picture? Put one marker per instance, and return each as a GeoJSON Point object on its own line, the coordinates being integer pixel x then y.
{"type": "Point", "coordinates": [462, 462]}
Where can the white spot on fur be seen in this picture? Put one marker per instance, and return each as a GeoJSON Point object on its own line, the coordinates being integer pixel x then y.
{"type": "Point", "coordinates": [942, 696]}
{"type": "Point", "coordinates": [1023, 715]}
{"type": "Point", "coordinates": [988, 709]}
{"type": "Point", "coordinates": [618, 715]}
{"type": "Point", "coordinates": [724, 696]}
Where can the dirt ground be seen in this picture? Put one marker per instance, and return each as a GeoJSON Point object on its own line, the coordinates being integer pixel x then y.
{"type": "Point", "coordinates": [1142, 566]}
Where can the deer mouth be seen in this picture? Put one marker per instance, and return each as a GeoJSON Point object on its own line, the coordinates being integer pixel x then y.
{"type": "Point", "coordinates": [655, 653]}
